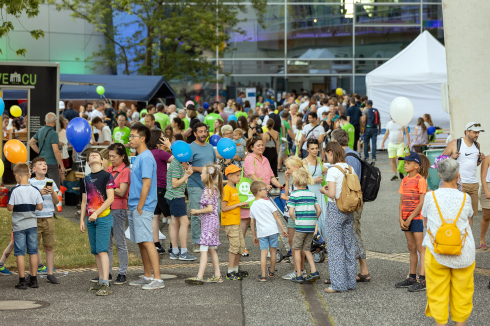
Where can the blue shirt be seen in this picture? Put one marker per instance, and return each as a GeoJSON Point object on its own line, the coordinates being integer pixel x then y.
{"type": "Point", "coordinates": [71, 114]}
{"type": "Point", "coordinates": [201, 156]}
{"type": "Point", "coordinates": [353, 162]}
{"type": "Point", "coordinates": [239, 100]}
{"type": "Point", "coordinates": [355, 114]}
{"type": "Point", "coordinates": [144, 167]}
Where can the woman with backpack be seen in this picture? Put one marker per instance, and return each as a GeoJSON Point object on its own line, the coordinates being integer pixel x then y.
{"type": "Point", "coordinates": [449, 261]}
{"type": "Point", "coordinates": [339, 226]}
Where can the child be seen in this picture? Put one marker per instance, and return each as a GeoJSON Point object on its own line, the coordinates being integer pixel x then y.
{"type": "Point", "coordinates": [230, 219]}
{"type": "Point", "coordinates": [412, 190]}
{"type": "Point", "coordinates": [240, 144]}
{"type": "Point", "coordinates": [97, 191]}
{"type": "Point", "coordinates": [24, 223]}
{"type": "Point", "coordinates": [45, 218]}
{"type": "Point", "coordinates": [264, 213]}
{"type": "Point", "coordinates": [304, 210]}
{"type": "Point", "coordinates": [209, 240]}
{"type": "Point", "coordinates": [5, 255]}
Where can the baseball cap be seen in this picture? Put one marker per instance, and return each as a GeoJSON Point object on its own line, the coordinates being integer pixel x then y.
{"type": "Point", "coordinates": [369, 102]}
{"type": "Point", "coordinates": [414, 157]}
{"type": "Point", "coordinates": [474, 127]}
{"type": "Point", "coordinates": [232, 169]}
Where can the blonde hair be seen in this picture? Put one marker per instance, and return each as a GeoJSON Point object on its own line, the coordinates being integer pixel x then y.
{"type": "Point", "coordinates": [238, 131]}
{"type": "Point", "coordinates": [22, 169]}
{"type": "Point", "coordinates": [300, 178]}
{"type": "Point", "coordinates": [256, 185]}
{"type": "Point", "coordinates": [296, 162]}
{"type": "Point", "coordinates": [215, 177]}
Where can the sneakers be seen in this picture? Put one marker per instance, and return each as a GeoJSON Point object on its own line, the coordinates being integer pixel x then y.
{"type": "Point", "coordinates": [5, 271]}
{"type": "Point", "coordinates": [395, 177]}
{"type": "Point", "coordinates": [104, 289]}
{"type": "Point", "coordinates": [94, 288]}
{"type": "Point", "coordinates": [245, 253]}
{"type": "Point", "coordinates": [406, 283]}
{"type": "Point", "coordinates": [186, 256]}
{"type": "Point", "coordinates": [288, 254]}
{"type": "Point", "coordinates": [289, 276]}
{"type": "Point", "coordinates": [153, 285]}
{"type": "Point", "coordinates": [160, 250]}
{"type": "Point", "coordinates": [44, 270]}
{"type": "Point", "coordinates": [96, 279]}
{"type": "Point", "coordinates": [197, 248]}
{"type": "Point", "coordinates": [52, 279]}
{"type": "Point", "coordinates": [32, 282]}
{"type": "Point", "coordinates": [417, 286]}
{"type": "Point", "coordinates": [233, 276]}
{"type": "Point", "coordinates": [21, 286]}
{"type": "Point", "coordinates": [298, 279]}
{"type": "Point", "coordinates": [140, 282]}
{"type": "Point", "coordinates": [303, 273]}
{"type": "Point", "coordinates": [174, 256]}
{"type": "Point", "coordinates": [242, 274]}
{"type": "Point", "coordinates": [313, 277]}
{"type": "Point", "coordinates": [120, 279]}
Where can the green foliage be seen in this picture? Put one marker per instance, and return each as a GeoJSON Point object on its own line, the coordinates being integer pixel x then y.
{"type": "Point", "coordinates": [15, 9]}
{"type": "Point", "coordinates": [170, 39]}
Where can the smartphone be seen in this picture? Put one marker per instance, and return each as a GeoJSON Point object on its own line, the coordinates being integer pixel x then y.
{"type": "Point", "coordinates": [48, 184]}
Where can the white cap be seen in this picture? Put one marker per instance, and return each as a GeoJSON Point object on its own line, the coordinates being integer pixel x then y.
{"type": "Point", "coordinates": [62, 105]}
{"type": "Point", "coordinates": [474, 127]}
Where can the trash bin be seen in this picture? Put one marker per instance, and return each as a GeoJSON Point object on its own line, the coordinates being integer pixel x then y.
{"type": "Point", "coordinates": [434, 180]}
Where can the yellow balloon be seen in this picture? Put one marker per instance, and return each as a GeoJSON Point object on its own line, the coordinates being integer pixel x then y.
{"type": "Point", "coordinates": [2, 167]}
{"type": "Point", "coordinates": [15, 111]}
{"type": "Point", "coordinates": [339, 91]}
{"type": "Point", "coordinates": [276, 111]}
{"type": "Point", "coordinates": [264, 129]}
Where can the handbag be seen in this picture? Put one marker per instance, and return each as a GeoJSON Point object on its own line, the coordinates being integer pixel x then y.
{"type": "Point", "coordinates": [401, 164]}
{"type": "Point", "coordinates": [243, 186]}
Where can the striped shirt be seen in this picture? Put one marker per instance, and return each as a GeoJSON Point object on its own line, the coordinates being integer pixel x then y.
{"type": "Point", "coordinates": [175, 170]}
{"type": "Point", "coordinates": [24, 198]}
{"type": "Point", "coordinates": [303, 201]}
{"type": "Point", "coordinates": [48, 205]}
{"type": "Point", "coordinates": [411, 188]}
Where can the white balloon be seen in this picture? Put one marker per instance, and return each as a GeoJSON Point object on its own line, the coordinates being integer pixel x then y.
{"type": "Point", "coordinates": [401, 110]}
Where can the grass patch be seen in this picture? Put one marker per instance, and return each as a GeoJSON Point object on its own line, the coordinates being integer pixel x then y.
{"type": "Point", "coordinates": [72, 248]}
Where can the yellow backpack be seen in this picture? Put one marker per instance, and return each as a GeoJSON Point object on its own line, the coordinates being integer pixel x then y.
{"type": "Point", "coordinates": [448, 237]}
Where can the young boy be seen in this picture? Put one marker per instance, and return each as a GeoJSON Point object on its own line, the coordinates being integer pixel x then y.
{"type": "Point", "coordinates": [412, 190]}
{"type": "Point", "coordinates": [230, 219]}
{"type": "Point", "coordinates": [304, 210]}
{"type": "Point", "coordinates": [264, 213]}
{"type": "Point", "coordinates": [97, 190]}
{"type": "Point", "coordinates": [23, 201]}
{"type": "Point", "coordinates": [45, 218]}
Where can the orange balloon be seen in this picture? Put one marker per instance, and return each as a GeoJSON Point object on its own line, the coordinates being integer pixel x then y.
{"type": "Point", "coordinates": [15, 151]}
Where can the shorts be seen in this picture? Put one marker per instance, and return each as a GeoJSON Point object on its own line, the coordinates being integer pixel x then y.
{"type": "Point", "coordinates": [162, 205]}
{"type": "Point", "coordinates": [472, 190]}
{"type": "Point", "coordinates": [25, 239]}
{"type": "Point", "coordinates": [99, 233]}
{"type": "Point", "coordinates": [416, 226]}
{"type": "Point", "coordinates": [140, 226]}
{"type": "Point", "coordinates": [302, 240]}
{"type": "Point", "coordinates": [282, 153]}
{"type": "Point", "coordinates": [291, 224]}
{"type": "Point", "coordinates": [177, 207]}
{"type": "Point", "coordinates": [485, 203]}
{"type": "Point", "coordinates": [45, 231]}
{"type": "Point", "coordinates": [395, 150]}
{"type": "Point", "coordinates": [235, 237]}
{"type": "Point", "coordinates": [269, 241]}
{"type": "Point", "coordinates": [206, 248]}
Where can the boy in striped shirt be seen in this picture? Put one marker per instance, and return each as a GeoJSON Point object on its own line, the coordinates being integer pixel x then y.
{"type": "Point", "coordinates": [304, 210]}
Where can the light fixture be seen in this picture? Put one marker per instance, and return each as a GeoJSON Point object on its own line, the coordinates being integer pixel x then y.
{"type": "Point", "coordinates": [314, 20]}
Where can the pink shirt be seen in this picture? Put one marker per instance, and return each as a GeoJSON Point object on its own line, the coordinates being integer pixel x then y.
{"type": "Point", "coordinates": [123, 177]}
{"type": "Point", "coordinates": [263, 169]}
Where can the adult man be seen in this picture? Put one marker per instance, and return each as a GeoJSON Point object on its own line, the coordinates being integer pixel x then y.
{"type": "Point", "coordinates": [240, 98]}
{"type": "Point", "coordinates": [269, 99]}
{"type": "Point", "coordinates": [105, 134]}
{"type": "Point", "coordinates": [222, 113]}
{"type": "Point", "coordinates": [89, 111]}
{"type": "Point", "coordinates": [142, 201]}
{"type": "Point", "coordinates": [312, 130]}
{"type": "Point", "coordinates": [183, 117]}
{"type": "Point", "coordinates": [150, 121]}
{"type": "Point", "coordinates": [275, 117]}
{"type": "Point", "coordinates": [161, 117]}
{"type": "Point", "coordinates": [353, 114]}
{"type": "Point", "coordinates": [396, 146]}
{"type": "Point", "coordinates": [469, 157]}
{"type": "Point", "coordinates": [110, 114]}
{"type": "Point", "coordinates": [172, 112]}
{"type": "Point", "coordinates": [121, 133]}
{"type": "Point", "coordinates": [202, 154]}
{"type": "Point", "coordinates": [209, 119]}
{"type": "Point", "coordinates": [323, 108]}
{"type": "Point", "coordinates": [136, 115]}
{"type": "Point", "coordinates": [228, 109]}
{"type": "Point", "coordinates": [120, 111]}
{"type": "Point", "coordinates": [353, 159]}
{"type": "Point", "coordinates": [97, 113]}
{"type": "Point", "coordinates": [70, 113]}
{"type": "Point", "coordinates": [344, 124]}
{"type": "Point", "coordinates": [46, 143]}
{"type": "Point", "coordinates": [372, 123]}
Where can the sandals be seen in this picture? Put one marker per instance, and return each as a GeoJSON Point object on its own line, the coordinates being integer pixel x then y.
{"type": "Point", "coordinates": [363, 278]}
{"type": "Point", "coordinates": [271, 274]}
{"type": "Point", "coordinates": [327, 281]}
{"type": "Point", "coordinates": [194, 280]}
{"type": "Point", "coordinates": [215, 279]}
{"type": "Point", "coordinates": [262, 278]}
{"type": "Point", "coordinates": [483, 246]}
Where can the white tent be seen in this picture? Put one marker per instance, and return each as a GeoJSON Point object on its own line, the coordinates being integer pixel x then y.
{"type": "Point", "coordinates": [415, 73]}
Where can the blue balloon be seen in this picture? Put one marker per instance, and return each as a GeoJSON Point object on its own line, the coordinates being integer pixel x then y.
{"type": "Point", "coordinates": [214, 139]}
{"type": "Point", "coordinates": [175, 142]}
{"type": "Point", "coordinates": [226, 148]}
{"type": "Point", "coordinates": [431, 130]}
{"type": "Point", "coordinates": [2, 106]}
{"type": "Point", "coordinates": [182, 151]}
{"type": "Point", "coordinates": [205, 105]}
{"type": "Point", "coordinates": [79, 133]}
{"type": "Point", "coordinates": [232, 117]}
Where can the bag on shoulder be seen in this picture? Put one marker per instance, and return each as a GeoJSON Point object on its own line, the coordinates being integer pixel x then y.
{"type": "Point", "coordinates": [370, 179]}
{"type": "Point", "coordinates": [448, 237]}
{"type": "Point", "coordinates": [243, 187]}
{"type": "Point", "coordinates": [350, 199]}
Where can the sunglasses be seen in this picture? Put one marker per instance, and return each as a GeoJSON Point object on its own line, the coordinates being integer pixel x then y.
{"type": "Point", "coordinates": [263, 189]}
{"type": "Point", "coordinates": [474, 125]}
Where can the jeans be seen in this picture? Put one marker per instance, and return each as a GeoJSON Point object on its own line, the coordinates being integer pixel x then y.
{"type": "Point", "coordinates": [195, 194]}
{"type": "Point", "coordinates": [120, 217]}
{"type": "Point", "coordinates": [370, 133]}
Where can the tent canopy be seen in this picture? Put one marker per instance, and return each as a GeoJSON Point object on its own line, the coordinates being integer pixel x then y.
{"type": "Point", "coordinates": [117, 87]}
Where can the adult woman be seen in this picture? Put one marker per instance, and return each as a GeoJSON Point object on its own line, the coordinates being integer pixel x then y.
{"type": "Point", "coordinates": [260, 101]}
{"type": "Point", "coordinates": [233, 124]}
{"type": "Point", "coordinates": [178, 125]}
{"type": "Point", "coordinates": [218, 125]}
{"type": "Point", "coordinates": [271, 141]}
{"type": "Point", "coordinates": [243, 124]}
{"type": "Point", "coordinates": [156, 145]}
{"type": "Point", "coordinates": [81, 111]}
{"type": "Point", "coordinates": [191, 112]}
{"type": "Point", "coordinates": [239, 111]}
{"type": "Point", "coordinates": [169, 133]}
{"type": "Point", "coordinates": [247, 106]}
{"type": "Point", "coordinates": [253, 128]}
{"type": "Point", "coordinates": [257, 167]}
{"type": "Point", "coordinates": [449, 277]}
{"type": "Point", "coordinates": [64, 141]}
{"type": "Point", "coordinates": [339, 226]}
{"type": "Point", "coordinates": [422, 137]}
{"type": "Point", "coordinates": [119, 208]}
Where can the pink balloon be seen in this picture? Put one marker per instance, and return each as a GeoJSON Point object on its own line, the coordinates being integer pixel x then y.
{"type": "Point", "coordinates": [188, 103]}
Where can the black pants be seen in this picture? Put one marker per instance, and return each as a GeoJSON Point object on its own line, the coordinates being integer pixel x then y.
{"type": "Point", "coordinates": [271, 154]}
{"type": "Point", "coordinates": [357, 135]}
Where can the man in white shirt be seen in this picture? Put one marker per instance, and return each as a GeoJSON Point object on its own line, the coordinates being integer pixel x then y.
{"type": "Point", "coordinates": [312, 131]}
{"type": "Point", "coordinates": [228, 109]}
{"type": "Point", "coordinates": [97, 113]}
{"type": "Point", "coordinates": [396, 146]}
{"type": "Point", "coordinates": [323, 108]}
{"type": "Point", "coordinates": [172, 112]}
{"type": "Point", "coordinates": [105, 135]}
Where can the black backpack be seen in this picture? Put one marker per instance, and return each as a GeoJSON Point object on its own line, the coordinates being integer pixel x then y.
{"type": "Point", "coordinates": [370, 179]}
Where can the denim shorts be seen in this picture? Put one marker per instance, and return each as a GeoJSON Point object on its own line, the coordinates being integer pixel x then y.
{"type": "Point", "coordinates": [25, 239]}
{"type": "Point", "coordinates": [416, 226]}
{"type": "Point", "coordinates": [99, 234]}
{"type": "Point", "coordinates": [140, 226]}
{"type": "Point", "coordinates": [177, 206]}
{"type": "Point", "coordinates": [269, 241]}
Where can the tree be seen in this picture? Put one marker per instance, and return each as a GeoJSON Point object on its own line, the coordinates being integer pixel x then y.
{"type": "Point", "coordinates": [169, 38]}
{"type": "Point", "coordinates": [15, 9]}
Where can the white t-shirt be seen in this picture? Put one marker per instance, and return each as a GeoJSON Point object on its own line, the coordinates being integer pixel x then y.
{"type": "Point", "coordinates": [96, 113]}
{"type": "Point", "coordinates": [262, 211]}
{"type": "Point", "coordinates": [172, 116]}
{"type": "Point", "coordinates": [303, 106]}
{"type": "Point", "coordinates": [64, 140]}
{"type": "Point", "coordinates": [335, 175]}
{"type": "Point", "coordinates": [106, 135]}
{"type": "Point", "coordinates": [315, 134]}
{"type": "Point", "coordinates": [48, 205]}
{"type": "Point", "coordinates": [396, 132]}
{"type": "Point", "coordinates": [135, 116]}
{"type": "Point", "coordinates": [322, 109]}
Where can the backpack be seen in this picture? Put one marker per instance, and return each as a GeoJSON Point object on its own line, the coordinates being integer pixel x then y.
{"type": "Point", "coordinates": [448, 237]}
{"type": "Point", "coordinates": [372, 117]}
{"type": "Point", "coordinates": [370, 179]}
{"type": "Point", "coordinates": [350, 199]}
{"type": "Point", "coordinates": [458, 146]}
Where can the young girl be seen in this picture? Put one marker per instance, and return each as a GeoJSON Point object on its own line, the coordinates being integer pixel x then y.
{"type": "Point", "coordinates": [427, 120]}
{"type": "Point", "coordinates": [422, 137]}
{"type": "Point", "coordinates": [213, 186]}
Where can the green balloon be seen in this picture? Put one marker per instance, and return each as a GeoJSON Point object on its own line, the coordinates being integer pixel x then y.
{"type": "Point", "coordinates": [100, 90]}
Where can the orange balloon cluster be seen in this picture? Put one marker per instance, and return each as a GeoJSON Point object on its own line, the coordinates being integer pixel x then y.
{"type": "Point", "coordinates": [15, 151]}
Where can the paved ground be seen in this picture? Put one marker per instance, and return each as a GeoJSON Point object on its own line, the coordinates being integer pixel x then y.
{"type": "Point", "coordinates": [276, 302]}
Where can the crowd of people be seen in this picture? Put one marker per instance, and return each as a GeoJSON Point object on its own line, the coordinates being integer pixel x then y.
{"type": "Point", "coordinates": [316, 139]}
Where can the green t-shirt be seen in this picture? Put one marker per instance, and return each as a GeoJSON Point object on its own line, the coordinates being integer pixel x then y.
{"type": "Point", "coordinates": [143, 111]}
{"type": "Point", "coordinates": [163, 119]}
{"type": "Point", "coordinates": [46, 137]}
{"type": "Point", "coordinates": [175, 170]}
{"type": "Point", "coordinates": [186, 122]}
{"type": "Point", "coordinates": [121, 136]}
{"type": "Point", "coordinates": [209, 120]}
{"type": "Point", "coordinates": [238, 114]}
{"type": "Point", "coordinates": [286, 127]}
{"type": "Point", "coordinates": [350, 130]}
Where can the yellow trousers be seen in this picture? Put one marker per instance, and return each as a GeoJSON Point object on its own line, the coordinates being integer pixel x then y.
{"type": "Point", "coordinates": [448, 287]}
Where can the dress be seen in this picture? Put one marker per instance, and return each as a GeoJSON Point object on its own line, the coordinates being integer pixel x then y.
{"type": "Point", "coordinates": [316, 171]}
{"type": "Point", "coordinates": [421, 139]}
{"type": "Point", "coordinates": [270, 152]}
{"type": "Point", "coordinates": [210, 221]}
